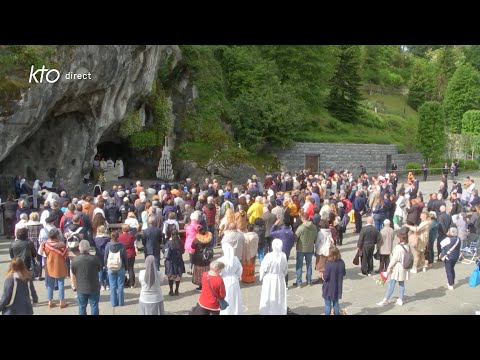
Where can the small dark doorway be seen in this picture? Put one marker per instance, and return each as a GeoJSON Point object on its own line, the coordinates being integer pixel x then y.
{"type": "Point", "coordinates": [389, 163]}
{"type": "Point", "coordinates": [311, 162]}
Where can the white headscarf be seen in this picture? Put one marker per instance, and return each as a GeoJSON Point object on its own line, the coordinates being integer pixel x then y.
{"type": "Point", "coordinates": [277, 245]}
{"type": "Point", "coordinates": [22, 182]}
{"type": "Point", "coordinates": [228, 254]}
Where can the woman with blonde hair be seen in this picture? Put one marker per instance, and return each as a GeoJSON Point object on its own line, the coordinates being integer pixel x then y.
{"type": "Point", "coordinates": [241, 219]}
{"type": "Point", "coordinates": [17, 289]}
{"type": "Point", "coordinates": [229, 218]}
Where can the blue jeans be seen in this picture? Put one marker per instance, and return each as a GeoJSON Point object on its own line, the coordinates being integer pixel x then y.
{"type": "Point", "coordinates": [103, 277]}
{"type": "Point", "coordinates": [328, 307]}
{"type": "Point", "coordinates": [299, 266]}
{"type": "Point", "coordinates": [262, 250]}
{"type": "Point", "coordinates": [83, 299]}
{"type": "Point", "coordinates": [378, 224]}
{"type": "Point", "coordinates": [51, 285]}
{"type": "Point", "coordinates": [391, 287]}
{"type": "Point", "coordinates": [117, 283]}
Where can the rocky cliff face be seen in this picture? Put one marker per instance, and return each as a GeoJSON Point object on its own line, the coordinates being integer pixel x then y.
{"type": "Point", "coordinates": [53, 131]}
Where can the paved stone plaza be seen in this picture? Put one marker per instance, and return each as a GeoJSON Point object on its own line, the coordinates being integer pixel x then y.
{"type": "Point", "coordinates": [426, 293]}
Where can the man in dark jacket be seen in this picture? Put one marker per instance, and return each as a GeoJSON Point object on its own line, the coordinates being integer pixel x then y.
{"type": "Point", "coordinates": [369, 236]}
{"type": "Point", "coordinates": [456, 204]}
{"type": "Point", "coordinates": [112, 212]}
{"type": "Point", "coordinates": [151, 240]}
{"type": "Point", "coordinates": [23, 248]}
{"type": "Point", "coordinates": [359, 210]}
{"type": "Point", "coordinates": [85, 267]}
{"type": "Point", "coordinates": [444, 223]}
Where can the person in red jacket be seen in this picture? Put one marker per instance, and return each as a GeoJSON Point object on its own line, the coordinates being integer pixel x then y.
{"type": "Point", "coordinates": [213, 289]}
{"type": "Point", "coordinates": [128, 239]}
{"type": "Point", "coordinates": [210, 211]}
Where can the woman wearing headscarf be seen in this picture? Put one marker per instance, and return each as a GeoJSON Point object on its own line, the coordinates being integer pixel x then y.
{"type": "Point", "coordinates": [274, 268]}
{"type": "Point", "coordinates": [231, 274]}
{"type": "Point", "coordinates": [17, 290]}
{"type": "Point", "coordinates": [250, 248]}
{"type": "Point", "coordinates": [151, 296]}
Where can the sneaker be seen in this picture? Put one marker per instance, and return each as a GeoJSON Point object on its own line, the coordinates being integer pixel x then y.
{"type": "Point", "coordinates": [450, 287]}
{"type": "Point", "coordinates": [414, 271]}
{"type": "Point", "coordinates": [198, 289]}
{"type": "Point", "coordinates": [108, 287]}
{"type": "Point", "coordinates": [309, 285]}
{"type": "Point", "coordinates": [399, 302]}
{"type": "Point", "coordinates": [104, 288]}
{"type": "Point", "coordinates": [383, 302]}
{"type": "Point", "coordinates": [369, 274]}
{"type": "Point", "coordinates": [425, 269]}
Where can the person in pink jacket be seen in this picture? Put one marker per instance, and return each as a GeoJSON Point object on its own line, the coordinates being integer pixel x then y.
{"type": "Point", "coordinates": [191, 232]}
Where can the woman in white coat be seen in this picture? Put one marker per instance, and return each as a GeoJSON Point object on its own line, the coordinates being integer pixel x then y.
{"type": "Point", "coordinates": [395, 268]}
{"type": "Point", "coordinates": [273, 269]}
{"type": "Point", "coordinates": [231, 275]}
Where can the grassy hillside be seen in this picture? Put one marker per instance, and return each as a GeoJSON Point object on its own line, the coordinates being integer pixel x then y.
{"type": "Point", "coordinates": [394, 123]}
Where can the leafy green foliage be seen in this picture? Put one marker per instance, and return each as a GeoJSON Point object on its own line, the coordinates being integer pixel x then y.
{"type": "Point", "coordinates": [421, 83]}
{"type": "Point", "coordinates": [344, 97]}
{"type": "Point", "coordinates": [462, 95]}
{"type": "Point", "coordinates": [145, 139]}
{"type": "Point", "coordinates": [431, 130]}
{"type": "Point", "coordinates": [130, 124]}
{"type": "Point", "coordinates": [471, 122]}
{"type": "Point", "coordinates": [415, 168]}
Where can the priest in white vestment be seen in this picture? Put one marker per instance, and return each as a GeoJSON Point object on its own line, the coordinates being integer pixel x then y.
{"type": "Point", "coordinates": [119, 168]}
{"type": "Point", "coordinates": [231, 276]}
{"type": "Point", "coordinates": [273, 269]}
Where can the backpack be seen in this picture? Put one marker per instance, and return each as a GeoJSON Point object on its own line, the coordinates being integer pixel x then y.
{"type": "Point", "coordinates": [73, 238]}
{"type": "Point", "coordinates": [407, 262]}
{"type": "Point", "coordinates": [114, 261]}
{"type": "Point", "coordinates": [207, 254]}
{"type": "Point", "coordinates": [68, 221]}
{"type": "Point", "coordinates": [169, 230]}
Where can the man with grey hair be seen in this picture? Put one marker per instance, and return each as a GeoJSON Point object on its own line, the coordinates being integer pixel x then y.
{"type": "Point", "coordinates": [385, 246]}
{"type": "Point", "coordinates": [151, 240]}
{"type": "Point", "coordinates": [85, 268]}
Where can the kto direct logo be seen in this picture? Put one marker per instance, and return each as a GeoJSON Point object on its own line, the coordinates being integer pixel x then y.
{"type": "Point", "coordinates": [52, 75]}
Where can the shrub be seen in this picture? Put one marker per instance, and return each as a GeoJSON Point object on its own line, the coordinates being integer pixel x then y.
{"type": "Point", "coordinates": [415, 168]}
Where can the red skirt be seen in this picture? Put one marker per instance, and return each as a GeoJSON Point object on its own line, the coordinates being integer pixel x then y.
{"type": "Point", "coordinates": [248, 274]}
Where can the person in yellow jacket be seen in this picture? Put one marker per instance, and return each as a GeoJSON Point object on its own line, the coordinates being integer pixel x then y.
{"type": "Point", "coordinates": [255, 210]}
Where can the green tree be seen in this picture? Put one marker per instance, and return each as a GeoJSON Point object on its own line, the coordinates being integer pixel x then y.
{"type": "Point", "coordinates": [421, 86]}
{"type": "Point", "coordinates": [471, 130]}
{"type": "Point", "coordinates": [267, 115]}
{"type": "Point", "coordinates": [445, 59]}
{"type": "Point", "coordinates": [344, 97]}
{"type": "Point", "coordinates": [462, 94]}
{"type": "Point", "coordinates": [472, 55]}
{"type": "Point", "coordinates": [307, 69]}
{"type": "Point", "coordinates": [431, 137]}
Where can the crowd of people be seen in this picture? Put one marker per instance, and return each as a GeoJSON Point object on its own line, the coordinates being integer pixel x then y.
{"type": "Point", "coordinates": [94, 240]}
